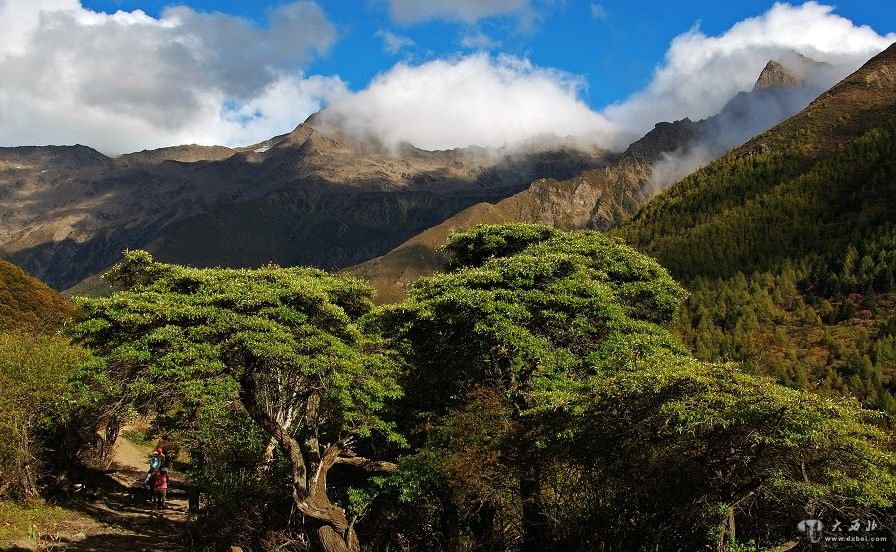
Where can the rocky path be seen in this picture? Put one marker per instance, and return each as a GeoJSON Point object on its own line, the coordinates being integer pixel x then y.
{"type": "Point", "coordinates": [120, 517]}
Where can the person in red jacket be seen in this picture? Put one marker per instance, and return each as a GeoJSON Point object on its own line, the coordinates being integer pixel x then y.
{"type": "Point", "coordinates": [160, 488]}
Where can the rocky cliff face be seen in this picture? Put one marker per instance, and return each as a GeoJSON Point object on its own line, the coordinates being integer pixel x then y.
{"type": "Point", "coordinates": [597, 198]}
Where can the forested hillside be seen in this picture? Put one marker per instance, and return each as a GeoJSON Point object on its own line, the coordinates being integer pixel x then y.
{"type": "Point", "coordinates": [788, 244]}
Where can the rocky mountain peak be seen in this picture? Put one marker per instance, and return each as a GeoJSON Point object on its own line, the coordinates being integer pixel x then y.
{"type": "Point", "coordinates": [664, 137]}
{"type": "Point", "coordinates": [775, 74]}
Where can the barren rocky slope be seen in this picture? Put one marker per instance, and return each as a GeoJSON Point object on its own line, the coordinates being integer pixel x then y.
{"type": "Point", "coordinates": [312, 197]}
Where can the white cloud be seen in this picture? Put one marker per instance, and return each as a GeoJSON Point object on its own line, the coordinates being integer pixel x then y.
{"type": "Point", "coordinates": [701, 73]}
{"type": "Point", "coordinates": [672, 166]}
{"type": "Point", "coordinates": [473, 100]}
{"type": "Point", "coordinates": [464, 11]}
{"type": "Point", "coordinates": [393, 43]}
{"type": "Point", "coordinates": [598, 12]}
{"type": "Point", "coordinates": [126, 81]}
{"type": "Point", "coordinates": [477, 40]}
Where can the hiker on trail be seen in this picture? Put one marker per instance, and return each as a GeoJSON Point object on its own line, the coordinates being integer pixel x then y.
{"type": "Point", "coordinates": [156, 462]}
{"type": "Point", "coordinates": [160, 488]}
{"type": "Point", "coordinates": [150, 484]}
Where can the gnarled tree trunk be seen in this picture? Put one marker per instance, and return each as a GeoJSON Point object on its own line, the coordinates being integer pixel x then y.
{"type": "Point", "coordinates": [110, 436]}
{"type": "Point", "coordinates": [333, 530]}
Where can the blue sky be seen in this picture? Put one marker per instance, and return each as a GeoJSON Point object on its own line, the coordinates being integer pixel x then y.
{"type": "Point", "coordinates": [122, 75]}
{"type": "Point", "coordinates": [615, 45]}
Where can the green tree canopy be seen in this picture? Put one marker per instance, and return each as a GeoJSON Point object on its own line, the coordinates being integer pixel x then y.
{"type": "Point", "coordinates": [668, 451]}
{"type": "Point", "coordinates": [287, 341]}
{"type": "Point", "coordinates": [530, 307]}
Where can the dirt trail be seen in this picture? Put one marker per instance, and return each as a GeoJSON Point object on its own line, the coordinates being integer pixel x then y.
{"type": "Point", "coordinates": [121, 518]}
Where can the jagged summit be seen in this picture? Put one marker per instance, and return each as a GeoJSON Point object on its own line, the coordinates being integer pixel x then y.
{"type": "Point", "coordinates": [860, 100]}
{"type": "Point", "coordinates": [792, 70]}
{"type": "Point", "coordinates": [664, 137]}
{"type": "Point", "coordinates": [775, 74]}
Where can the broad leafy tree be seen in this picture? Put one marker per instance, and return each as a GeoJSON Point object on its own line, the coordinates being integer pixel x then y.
{"type": "Point", "coordinates": [674, 453]}
{"type": "Point", "coordinates": [286, 343]}
{"type": "Point", "coordinates": [548, 405]}
{"type": "Point", "coordinates": [525, 311]}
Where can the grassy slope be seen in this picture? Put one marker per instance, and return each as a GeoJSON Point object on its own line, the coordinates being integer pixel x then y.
{"type": "Point", "coordinates": [27, 304]}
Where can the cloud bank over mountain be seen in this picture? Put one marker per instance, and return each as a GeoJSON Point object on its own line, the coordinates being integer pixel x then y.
{"type": "Point", "coordinates": [127, 81]}
{"type": "Point", "coordinates": [473, 100]}
{"type": "Point", "coordinates": [701, 73]}
{"type": "Point", "coordinates": [496, 101]}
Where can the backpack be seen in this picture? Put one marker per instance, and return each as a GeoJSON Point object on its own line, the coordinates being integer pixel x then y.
{"type": "Point", "coordinates": [160, 482]}
{"type": "Point", "coordinates": [155, 462]}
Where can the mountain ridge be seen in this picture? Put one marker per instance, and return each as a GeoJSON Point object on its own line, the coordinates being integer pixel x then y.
{"type": "Point", "coordinates": [787, 245]}
{"type": "Point", "coordinates": [600, 198]}
{"type": "Point", "coordinates": [863, 100]}
{"type": "Point", "coordinates": [67, 212]}
{"type": "Point", "coordinates": [317, 196]}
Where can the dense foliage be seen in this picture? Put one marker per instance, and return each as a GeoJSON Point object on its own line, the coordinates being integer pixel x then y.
{"type": "Point", "coordinates": [529, 307]}
{"type": "Point", "coordinates": [36, 406]}
{"type": "Point", "coordinates": [553, 410]}
{"type": "Point", "coordinates": [531, 398]}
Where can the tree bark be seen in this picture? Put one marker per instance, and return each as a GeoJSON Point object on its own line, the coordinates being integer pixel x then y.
{"type": "Point", "coordinates": [727, 531]}
{"type": "Point", "coordinates": [268, 455]}
{"type": "Point", "coordinates": [333, 530]}
{"type": "Point", "coordinates": [285, 419]}
{"type": "Point", "coordinates": [107, 449]}
{"type": "Point", "coordinates": [23, 461]}
{"type": "Point", "coordinates": [331, 541]}
{"type": "Point", "coordinates": [536, 529]}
